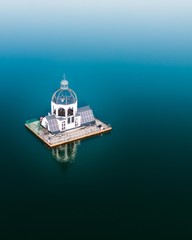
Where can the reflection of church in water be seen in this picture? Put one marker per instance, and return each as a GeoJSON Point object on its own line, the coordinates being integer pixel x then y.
{"type": "Point", "coordinates": [66, 153]}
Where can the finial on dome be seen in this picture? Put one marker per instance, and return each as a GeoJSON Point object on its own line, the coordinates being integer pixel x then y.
{"type": "Point", "coordinates": [64, 83]}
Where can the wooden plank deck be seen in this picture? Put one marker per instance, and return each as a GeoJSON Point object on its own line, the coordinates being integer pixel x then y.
{"type": "Point", "coordinates": [67, 136]}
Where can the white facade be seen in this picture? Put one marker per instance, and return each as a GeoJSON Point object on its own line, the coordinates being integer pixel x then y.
{"type": "Point", "coordinates": [65, 114]}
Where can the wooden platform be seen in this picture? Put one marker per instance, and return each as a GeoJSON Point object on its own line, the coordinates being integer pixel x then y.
{"type": "Point", "coordinates": [67, 136]}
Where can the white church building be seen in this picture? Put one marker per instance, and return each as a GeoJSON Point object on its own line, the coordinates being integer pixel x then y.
{"type": "Point", "coordinates": [65, 114]}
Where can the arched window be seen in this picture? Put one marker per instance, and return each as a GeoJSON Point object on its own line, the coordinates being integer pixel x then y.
{"type": "Point", "coordinates": [70, 112]}
{"type": "Point", "coordinates": [61, 112]}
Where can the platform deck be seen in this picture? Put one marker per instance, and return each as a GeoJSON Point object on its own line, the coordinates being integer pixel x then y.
{"type": "Point", "coordinates": [68, 136]}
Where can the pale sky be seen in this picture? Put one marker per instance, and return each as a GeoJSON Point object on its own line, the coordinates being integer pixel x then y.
{"type": "Point", "coordinates": [129, 24]}
{"type": "Point", "coordinates": [95, 5]}
{"type": "Point", "coordinates": [124, 11]}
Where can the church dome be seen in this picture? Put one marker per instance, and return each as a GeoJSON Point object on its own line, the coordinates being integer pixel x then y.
{"type": "Point", "coordinates": [64, 95]}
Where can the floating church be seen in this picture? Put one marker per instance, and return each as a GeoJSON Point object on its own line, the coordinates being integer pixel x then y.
{"type": "Point", "coordinates": [66, 122]}
{"type": "Point", "coordinates": [65, 114]}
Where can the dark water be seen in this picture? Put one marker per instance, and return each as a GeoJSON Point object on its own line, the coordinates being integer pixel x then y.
{"type": "Point", "coordinates": [134, 183]}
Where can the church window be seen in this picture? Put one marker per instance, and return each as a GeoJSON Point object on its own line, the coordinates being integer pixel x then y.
{"type": "Point", "coordinates": [70, 112]}
{"type": "Point", "coordinates": [61, 112]}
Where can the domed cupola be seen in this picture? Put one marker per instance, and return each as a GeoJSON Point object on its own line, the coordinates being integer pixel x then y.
{"type": "Point", "coordinates": [65, 114]}
{"type": "Point", "coordinates": [64, 95]}
{"type": "Point", "coordinates": [64, 102]}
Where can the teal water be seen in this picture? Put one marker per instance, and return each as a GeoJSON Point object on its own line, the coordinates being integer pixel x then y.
{"type": "Point", "coordinates": [132, 64]}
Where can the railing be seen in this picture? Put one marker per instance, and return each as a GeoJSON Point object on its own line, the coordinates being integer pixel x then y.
{"type": "Point", "coordinates": [100, 120]}
{"type": "Point", "coordinates": [70, 136]}
{"type": "Point", "coordinates": [63, 137]}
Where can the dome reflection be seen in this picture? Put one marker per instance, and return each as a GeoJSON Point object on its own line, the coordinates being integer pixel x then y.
{"type": "Point", "coordinates": [66, 153]}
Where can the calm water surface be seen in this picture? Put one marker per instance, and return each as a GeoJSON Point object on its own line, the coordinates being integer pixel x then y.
{"type": "Point", "coordinates": [133, 183]}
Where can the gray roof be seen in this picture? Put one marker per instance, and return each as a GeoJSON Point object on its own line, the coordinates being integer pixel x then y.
{"type": "Point", "coordinates": [82, 109]}
{"type": "Point", "coordinates": [53, 124]}
{"type": "Point", "coordinates": [49, 117]}
{"type": "Point", "coordinates": [86, 114]}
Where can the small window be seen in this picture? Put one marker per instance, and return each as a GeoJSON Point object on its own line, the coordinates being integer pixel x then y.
{"type": "Point", "coordinates": [68, 120]}
{"type": "Point", "coordinates": [61, 112]}
{"type": "Point", "coordinates": [70, 112]}
{"type": "Point", "coordinates": [72, 119]}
